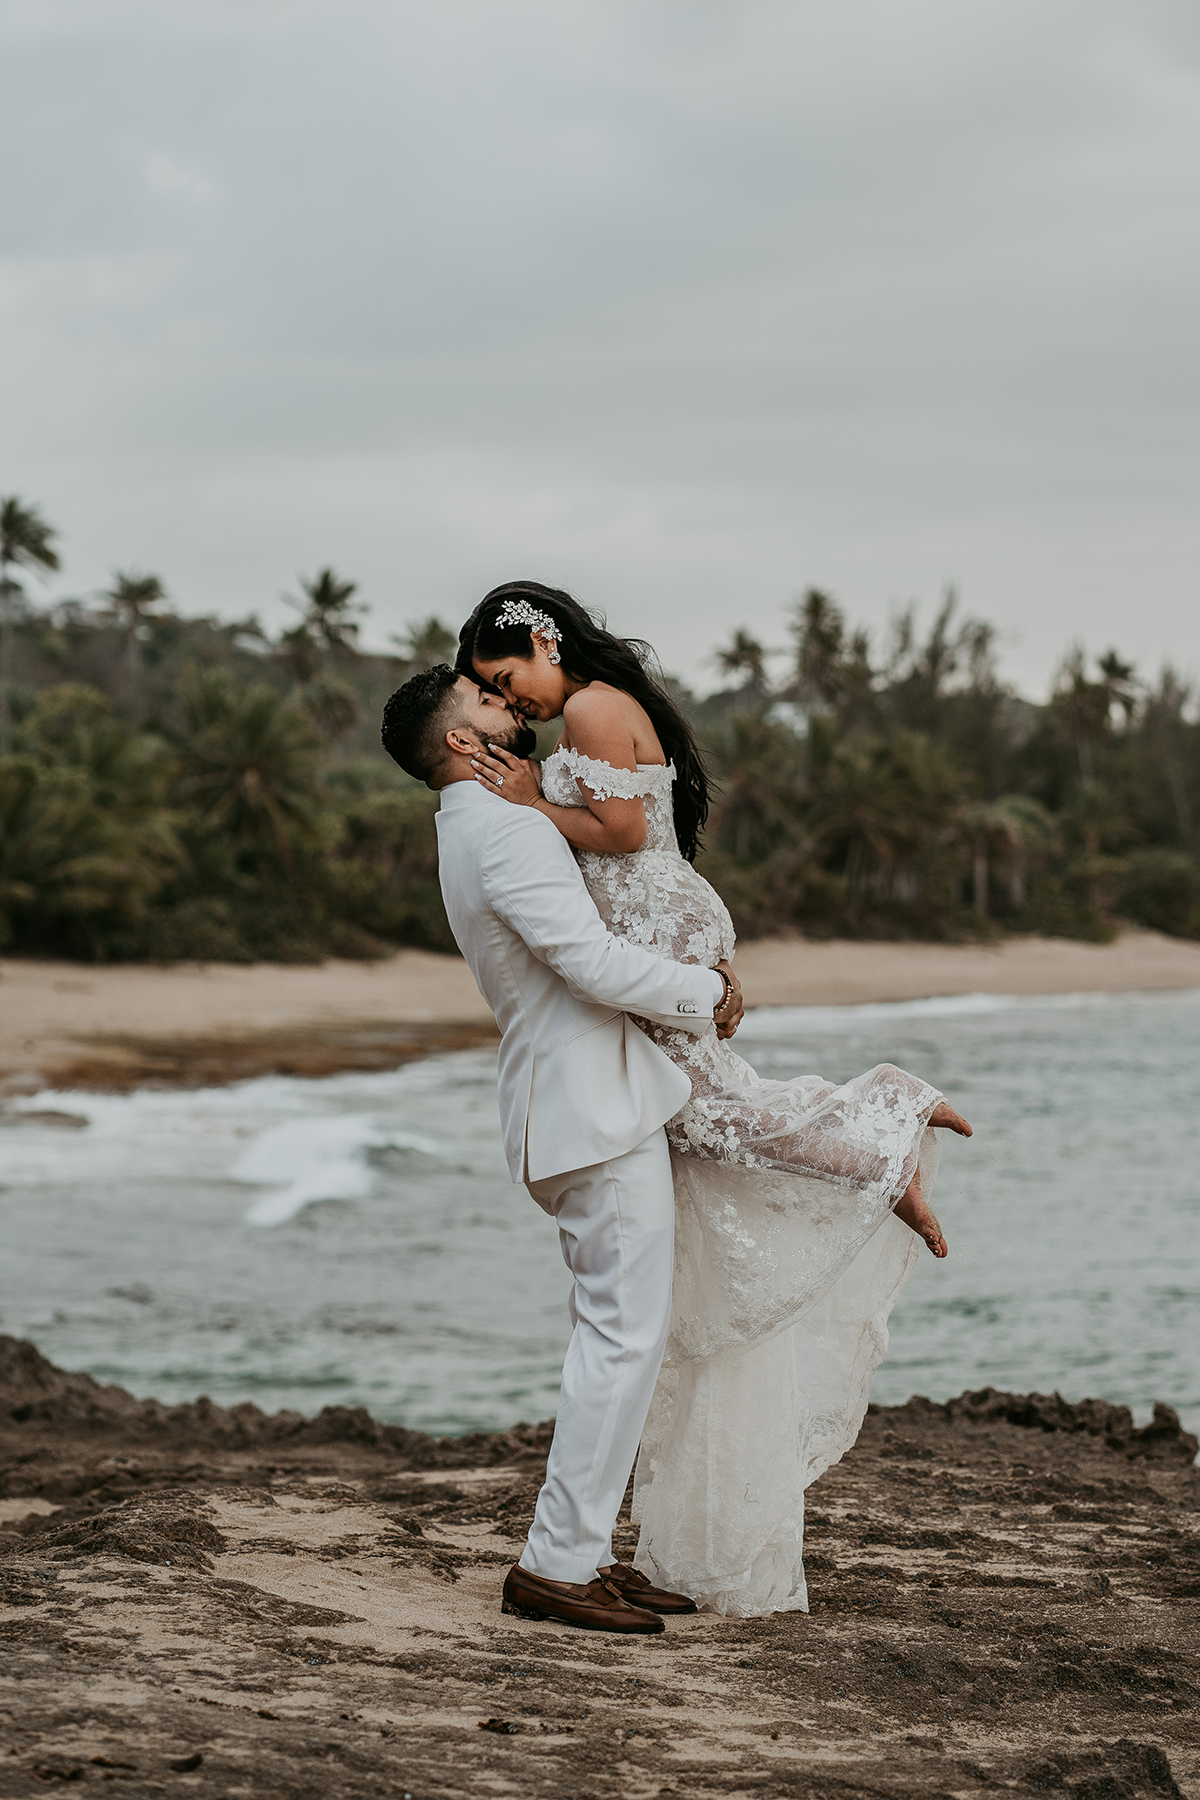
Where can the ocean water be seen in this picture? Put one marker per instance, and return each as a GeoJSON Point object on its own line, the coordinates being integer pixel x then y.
{"type": "Point", "coordinates": [356, 1240]}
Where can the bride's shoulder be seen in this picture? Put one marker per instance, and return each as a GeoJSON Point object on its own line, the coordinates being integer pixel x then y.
{"type": "Point", "coordinates": [599, 707]}
{"type": "Point", "coordinates": [601, 723]}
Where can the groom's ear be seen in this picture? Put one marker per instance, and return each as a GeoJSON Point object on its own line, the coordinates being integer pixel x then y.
{"type": "Point", "coordinates": [458, 741]}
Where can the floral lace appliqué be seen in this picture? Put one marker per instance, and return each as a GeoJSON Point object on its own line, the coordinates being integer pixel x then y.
{"type": "Point", "coordinates": [652, 896]}
{"type": "Point", "coordinates": [605, 781]}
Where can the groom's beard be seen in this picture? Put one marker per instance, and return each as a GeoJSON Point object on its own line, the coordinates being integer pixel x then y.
{"type": "Point", "coordinates": [518, 738]}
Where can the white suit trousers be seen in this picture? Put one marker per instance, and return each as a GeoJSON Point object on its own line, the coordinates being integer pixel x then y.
{"type": "Point", "coordinates": [616, 1223]}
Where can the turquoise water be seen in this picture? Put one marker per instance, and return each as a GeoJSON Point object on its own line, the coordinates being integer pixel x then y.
{"type": "Point", "coordinates": [356, 1240]}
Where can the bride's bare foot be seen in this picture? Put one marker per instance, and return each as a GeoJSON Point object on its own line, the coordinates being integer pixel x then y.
{"type": "Point", "coordinates": [913, 1207]}
{"type": "Point", "coordinates": [917, 1215]}
{"type": "Point", "coordinates": [943, 1115]}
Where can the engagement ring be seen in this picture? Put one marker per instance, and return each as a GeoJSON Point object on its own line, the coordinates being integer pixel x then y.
{"type": "Point", "coordinates": [499, 781]}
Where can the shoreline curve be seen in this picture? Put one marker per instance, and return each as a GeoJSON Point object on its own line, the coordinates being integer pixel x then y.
{"type": "Point", "coordinates": [116, 1027]}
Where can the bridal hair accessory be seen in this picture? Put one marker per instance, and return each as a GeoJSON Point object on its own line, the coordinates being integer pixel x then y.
{"type": "Point", "coordinates": [520, 612]}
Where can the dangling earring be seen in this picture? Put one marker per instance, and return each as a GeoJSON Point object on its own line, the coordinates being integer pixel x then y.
{"type": "Point", "coordinates": [548, 636]}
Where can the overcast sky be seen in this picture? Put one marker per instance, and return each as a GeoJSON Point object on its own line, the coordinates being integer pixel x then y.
{"type": "Point", "coordinates": [682, 305]}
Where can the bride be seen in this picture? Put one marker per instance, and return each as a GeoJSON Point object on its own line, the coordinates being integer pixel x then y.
{"type": "Point", "coordinates": [799, 1203]}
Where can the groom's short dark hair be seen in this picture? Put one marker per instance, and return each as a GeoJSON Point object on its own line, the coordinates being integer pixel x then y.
{"type": "Point", "coordinates": [416, 720]}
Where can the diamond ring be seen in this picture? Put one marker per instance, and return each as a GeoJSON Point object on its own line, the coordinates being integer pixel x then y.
{"type": "Point", "coordinates": [499, 781]}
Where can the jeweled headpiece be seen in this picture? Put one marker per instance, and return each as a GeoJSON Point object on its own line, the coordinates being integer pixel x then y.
{"type": "Point", "coordinates": [521, 612]}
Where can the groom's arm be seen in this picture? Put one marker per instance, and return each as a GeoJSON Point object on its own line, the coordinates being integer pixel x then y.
{"type": "Point", "coordinates": [533, 882]}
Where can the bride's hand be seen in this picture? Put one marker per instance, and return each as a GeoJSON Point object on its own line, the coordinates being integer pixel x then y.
{"type": "Point", "coordinates": [512, 777]}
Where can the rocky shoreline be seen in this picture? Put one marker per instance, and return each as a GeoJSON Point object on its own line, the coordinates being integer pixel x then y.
{"type": "Point", "coordinates": [212, 1601]}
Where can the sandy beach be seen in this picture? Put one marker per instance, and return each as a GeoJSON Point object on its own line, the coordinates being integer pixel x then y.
{"type": "Point", "coordinates": [1004, 1591]}
{"type": "Point", "coordinates": [63, 1024]}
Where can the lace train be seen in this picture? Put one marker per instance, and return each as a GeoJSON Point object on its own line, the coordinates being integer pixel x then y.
{"type": "Point", "coordinates": [734, 1438]}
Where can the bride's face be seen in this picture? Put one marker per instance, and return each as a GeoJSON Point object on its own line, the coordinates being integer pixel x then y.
{"type": "Point", "coordinates": [531, 685]}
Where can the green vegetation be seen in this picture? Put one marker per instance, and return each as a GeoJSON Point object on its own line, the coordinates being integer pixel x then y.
{"type": "Point", "coordinates": [916, 795]}
{"type": "Point", "coordinates": [186, 787]}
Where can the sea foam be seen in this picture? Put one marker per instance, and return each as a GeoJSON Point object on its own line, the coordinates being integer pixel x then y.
{"type": "Point", "coordinates": [306, 1160]}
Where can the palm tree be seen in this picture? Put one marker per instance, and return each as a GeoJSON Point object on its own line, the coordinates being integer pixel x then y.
{"type": "Point", "coordinates": [332, 705]}
{"type": "Point", "coordinates": [26, 540]}
{"type": "Point", "coordinates": [300, 648]}
{"type": "Point", "coordinates": [880, 809]}
{"type": "Point", "coordinates": [72, 726]}
{"type": "Point", "coordinates": [425, 643]}
{"type": "Point", "coordinates": [71, 869]}
{"type": "Point", "coordinates": [745, 660]}
{"type": "Point", "coordinates": [327, 610]}
{"type": "Point", "coordinates": [1011, 829]}
{"type": "Point", "coordinates": [1099, 818]}
{"type": "Point", "coordinates": [250, 764]}
{"type": "Point", "coordinates": [1166, 732]}
{"type": "Point", "coordinates": [1029, 837]}
{"type": "Point", "coordinates": [819, 628]}
{"type": "Point", "coordinates": [87, 840]}
{"type": "Point", "coordinates": [759, 767]}
{"type": "Point", "coordinates": [1122, 684]}
{"type": "Point", "coordinates": [130, 599]}
{"type": "Point", "coordinates": [1081, 709]}
{"type": "Point", "coordinates": [939, 658]}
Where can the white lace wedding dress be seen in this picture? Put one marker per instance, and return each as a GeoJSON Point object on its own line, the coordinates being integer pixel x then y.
{"type": "Point", "coordinates": [788, 1258]}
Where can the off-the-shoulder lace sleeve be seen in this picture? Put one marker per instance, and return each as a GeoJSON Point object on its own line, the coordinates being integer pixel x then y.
{"type": "Point", "coordinates": [649, 896]}
{"type": "Point", "coordinates": [608, 783]}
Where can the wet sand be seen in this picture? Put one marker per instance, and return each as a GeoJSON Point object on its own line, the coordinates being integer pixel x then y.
{"type": "Point", "coordinates": [1006, 1595]}
{"type": "Point", "coordinates": [65, 1025]}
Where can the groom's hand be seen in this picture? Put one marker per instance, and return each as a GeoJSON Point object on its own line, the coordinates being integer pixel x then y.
{"type": "Point", "coordinates": [728, 1016]}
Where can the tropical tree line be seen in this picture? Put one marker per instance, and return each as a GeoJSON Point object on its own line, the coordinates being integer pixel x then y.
{"type": "Point", "coordinates": [176, 786]}
{"type": "Point", "coordinates": [906, 790]}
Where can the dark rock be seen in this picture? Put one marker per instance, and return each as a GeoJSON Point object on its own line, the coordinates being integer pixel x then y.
{"type": "Point", "coordinates": [33, 1392]}
{"type": "Point", "coordinates": [1163, 1440]}
{"type": "Point", "coordinates": [164, 1527]}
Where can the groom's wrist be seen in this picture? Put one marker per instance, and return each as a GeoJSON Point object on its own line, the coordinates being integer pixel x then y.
{"type": "Point", "coordinates": [719, 987]}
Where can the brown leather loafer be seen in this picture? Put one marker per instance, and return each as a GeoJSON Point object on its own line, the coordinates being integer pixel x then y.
{"type": "Point", "coordinates": [596, 1605]}
{"type": "Point", "coordinates": [633, 1586]}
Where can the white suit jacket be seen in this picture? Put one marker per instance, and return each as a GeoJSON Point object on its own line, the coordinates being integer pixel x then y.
{"type": "Point", "coordinates": [579, 1083]}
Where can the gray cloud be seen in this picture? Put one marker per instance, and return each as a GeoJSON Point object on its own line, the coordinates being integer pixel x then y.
{"type": "Point", "coordinates": [682, 305]}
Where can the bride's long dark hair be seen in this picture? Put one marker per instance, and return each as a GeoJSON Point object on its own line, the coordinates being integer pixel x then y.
{"type": "Point", "coordinates": [590, 653]}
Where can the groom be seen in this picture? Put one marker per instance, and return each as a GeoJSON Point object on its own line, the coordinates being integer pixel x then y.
{"type": "Point", "coordinates": [584, 1096]}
